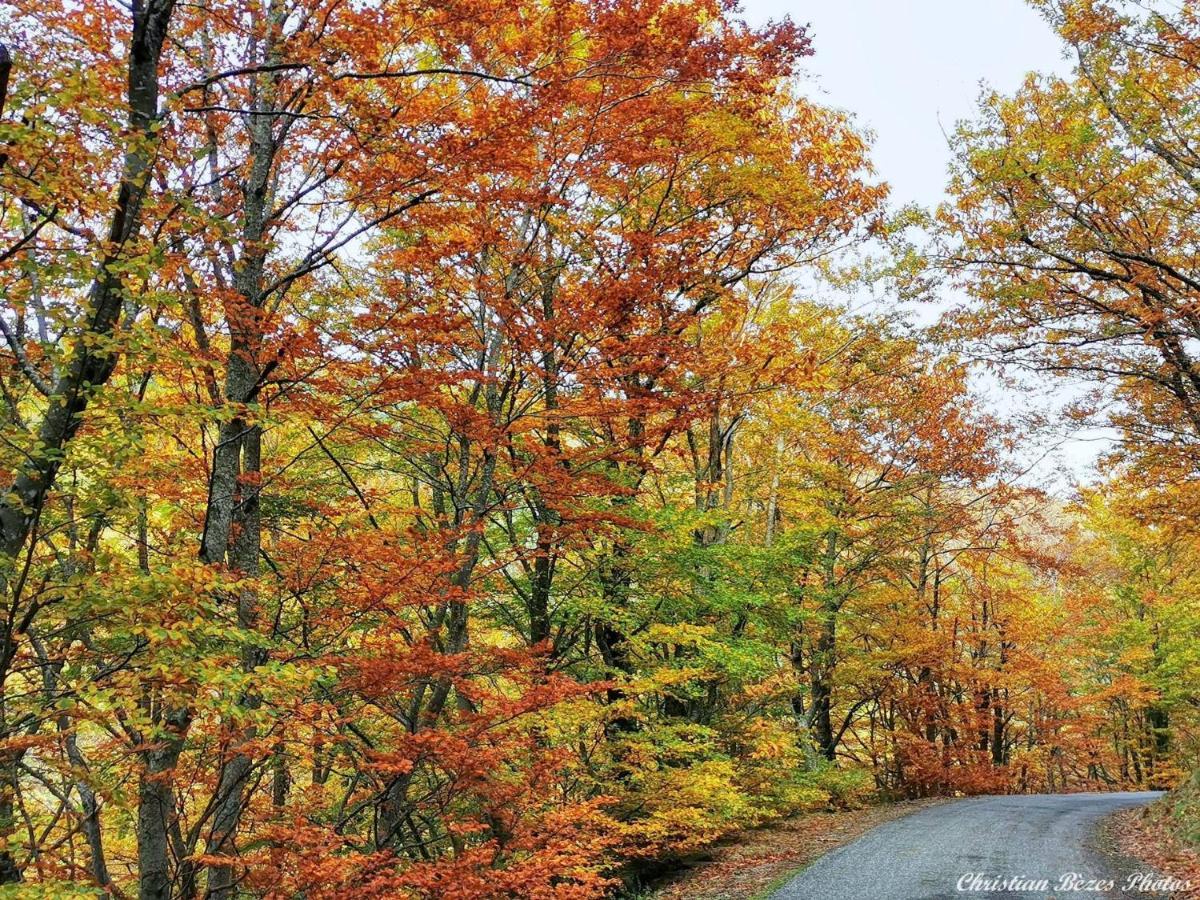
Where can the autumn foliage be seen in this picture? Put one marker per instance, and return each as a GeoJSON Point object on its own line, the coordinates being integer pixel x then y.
{"type": "Point", "coordinates": [425, 475]}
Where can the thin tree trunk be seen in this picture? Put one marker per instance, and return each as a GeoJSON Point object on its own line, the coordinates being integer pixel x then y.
{"type": "Point", "coordinates": [824, 659]}
{"type": "Point", "coordinates": [91, 362]}
{"type": "Point", "coordinates": [90, 818]}
{"type": "Point", "coordinates": [773, 496]}
{"type": "Point", "coordinates": [235, 774]}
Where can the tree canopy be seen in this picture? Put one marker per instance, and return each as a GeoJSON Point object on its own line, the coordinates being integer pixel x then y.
{"type": "Point", "coordinates": [439, 463]}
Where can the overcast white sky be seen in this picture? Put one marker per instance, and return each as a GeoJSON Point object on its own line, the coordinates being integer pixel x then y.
{"type": "Point", "coordinates": [910, 69]}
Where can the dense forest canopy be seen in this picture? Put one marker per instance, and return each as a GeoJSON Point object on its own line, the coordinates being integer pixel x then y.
{"type": "Point", "coordinates": [439, 461]}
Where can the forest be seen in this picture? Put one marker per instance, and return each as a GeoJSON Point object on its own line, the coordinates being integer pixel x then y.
{"type": "Point", "coordinates": [441, 458]}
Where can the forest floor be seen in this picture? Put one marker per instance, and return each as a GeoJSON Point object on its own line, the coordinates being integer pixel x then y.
{"type": "Point", "coordinates": [1146, 834]}
{"type": "Point", "coordinates": [752, 863]}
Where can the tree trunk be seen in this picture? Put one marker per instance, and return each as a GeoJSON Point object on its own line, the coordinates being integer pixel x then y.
{"type": "Point", "coordinates": [156, 807]}
{"type": "Point", "coordinates": [824, 657]}
{"type": "Point", "coordinates": [91, 362]}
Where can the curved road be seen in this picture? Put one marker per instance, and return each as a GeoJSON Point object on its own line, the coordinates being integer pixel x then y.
{"type": "Point", "coordinates": [931, 854]}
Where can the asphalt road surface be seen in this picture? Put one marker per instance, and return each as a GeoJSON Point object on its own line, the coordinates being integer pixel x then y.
{"type": "Point", "coordinates": [939, 852]}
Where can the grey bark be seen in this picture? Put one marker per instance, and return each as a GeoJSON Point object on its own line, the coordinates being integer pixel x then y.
{"type": "Point", "coordinates": [156, 806]}
{"type": "Point", "coordinates": [91, 362]}
{"type": "Point", "coordinates": [90, 818]}
{"type": "Point", "coordinates": [233, 500]}
{"type": "Point", "coordinates": [824, 658]}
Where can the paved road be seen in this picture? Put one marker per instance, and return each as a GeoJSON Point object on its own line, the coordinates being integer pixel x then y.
{"type": "Point", "coordinates": [924, 856]}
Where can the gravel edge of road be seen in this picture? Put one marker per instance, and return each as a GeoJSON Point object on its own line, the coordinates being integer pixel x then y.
{"type": "Point", "coordinates": [1140, 836]}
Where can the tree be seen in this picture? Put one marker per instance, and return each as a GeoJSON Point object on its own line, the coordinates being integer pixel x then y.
{"type": "Point", "coordinates": [1073, 221]}
{"type": "Point", "coordinates": [430, 478]}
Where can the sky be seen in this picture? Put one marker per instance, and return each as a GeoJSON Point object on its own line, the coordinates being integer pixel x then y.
{"type": "Point", "coordinates": [908, 70]}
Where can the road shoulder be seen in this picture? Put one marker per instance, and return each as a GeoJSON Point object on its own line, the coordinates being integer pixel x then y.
{"type": "Point", "coordinates": [1144, 835]}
